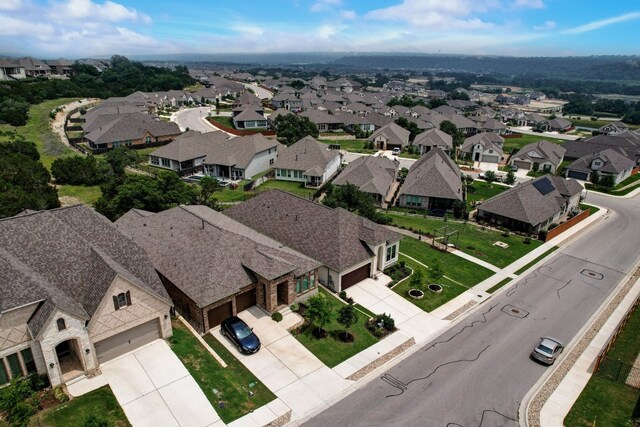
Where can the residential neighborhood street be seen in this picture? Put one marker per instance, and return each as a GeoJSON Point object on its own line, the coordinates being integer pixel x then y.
{"type": "Point", "coordinates": [478, 372]}
{"type": "Point", "coordinates": [192, 118]}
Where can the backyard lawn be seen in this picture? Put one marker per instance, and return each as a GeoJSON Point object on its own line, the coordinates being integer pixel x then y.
{"type": "Point", "coordinates": [458, 269]}
{"type": "Point", "coordinates": [518, 143]}
{"type": "Point", "coordinates": [473, 239]}
{"type": "Point", "coordinates": [296, 188]}
{"type": "Point", "coordinates": [351, 145]}
{"type": "Point", "coordinates": [331, 350]}
{"type": "Point", "coordinates": [481, 191]}
{"type": "Point", "coordinates": [73, 194]}
{"type": "Point", "coordinates": [224, 121]}
{"type": "Point", "coordinates": [230, 385]}
{"type": "Point", "coordinates": [100, 402]}
{"type": "Point", "coordinates": [431, 300]}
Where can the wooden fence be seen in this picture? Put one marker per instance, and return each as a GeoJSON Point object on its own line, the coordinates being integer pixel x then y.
{"type": "Point", "coordinates": [567, 225]}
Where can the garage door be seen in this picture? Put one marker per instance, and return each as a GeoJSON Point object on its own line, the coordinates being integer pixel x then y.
{"type": "Point", "coordinates": [522, 165]}
{"type": "Point", "coordinates": [577, 175]}
{"type": "Point", "coordinates": [218, 314]}
{"type": "Point", "coordinates": [245, 300]}
{"type": "Point", "coordinates": [355, 276]}
{"type": "Point", "coordinates": [490, 159]}
{"type": "Point", "coordinates": [127, 341]}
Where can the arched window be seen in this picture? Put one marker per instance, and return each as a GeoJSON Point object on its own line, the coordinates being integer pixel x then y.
{"type": "Point", "coordinates": [61, 325]}
{"type": "Point", "coordinates": [121, 300]}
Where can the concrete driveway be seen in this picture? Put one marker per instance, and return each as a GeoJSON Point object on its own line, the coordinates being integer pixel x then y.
{"type": "Point", "coordinates": [155, 389]}
{"type": "Point", "coordinates": [285, 366]}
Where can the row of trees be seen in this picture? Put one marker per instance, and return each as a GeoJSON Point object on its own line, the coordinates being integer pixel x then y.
{"type": "Point", "coordinates": [350, 197]}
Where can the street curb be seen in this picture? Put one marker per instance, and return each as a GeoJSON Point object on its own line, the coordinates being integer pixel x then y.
{"type": "Point", "coordinates": [524, 409]}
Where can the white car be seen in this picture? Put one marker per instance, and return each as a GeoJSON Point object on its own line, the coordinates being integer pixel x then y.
{"type": "Point", "coordinates": [395, 151]}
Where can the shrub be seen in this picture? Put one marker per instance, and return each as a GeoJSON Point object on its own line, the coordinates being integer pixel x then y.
{"type": "Point", "coordinates": [378, 332]}
{"type": "Point", "coordinates": [277, 316]}
{"type": "Point", "coordinates": [387, 321]}
{"type": "Point", "coordinates": [343, 295]}
{"type": "Point", "coordinates": [527, 240]}
{"type": "Point", "coordinates": [402, 263]}
{"type": "Point", "coordinates": [294, 306]}
{"type": "Point", "coordinates": [60, 395]}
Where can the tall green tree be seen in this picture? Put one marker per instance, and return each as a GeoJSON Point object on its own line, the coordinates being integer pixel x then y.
{"type": "Point", "coordinates": [409, 125]}
{"type": "Point", "coordinates": [319, 312]}
{"type": "Point", "coordinates": [121, 157]}
{"type": "Point", "coordinates": [290, 128]}
{"type": "Point", "coordinates": [347, 317]}
{"type": "Point", "coordinates": [450, 128]}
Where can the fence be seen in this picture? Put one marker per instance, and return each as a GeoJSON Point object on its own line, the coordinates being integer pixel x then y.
{"type": "Point", "coordinates": [239, 132]}
{"type": "Point", "coordinates": [616, 370]}
{"type": "Point", "coordinates": [567, 225]}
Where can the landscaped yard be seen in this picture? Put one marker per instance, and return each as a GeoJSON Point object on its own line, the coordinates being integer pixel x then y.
{"type": "Point", "coordinates": [331, 350]}
{"type": "Point", "coordinates": [604, 402]}
{"type": "Point", "coordinates": [431, 300]}
{"type": "Point", "coordinates": [351, 145]}
{"type": "Point", "coordinates": [296, 188]}
{"type": "Point", "coordinates": [101, 403]}
{"type": "Point", "coordinates": [230, 385]}
{"type": "Point", "coordinates": [458, 269]}
{"type": "Point", "coordinates": [518, 143]}
{"type": "Point", "coordinates": [224, 121]}
{"type": "Point", "coordinates": [473, 239]}
{"type": "Point", "coordinates": [481, 191]}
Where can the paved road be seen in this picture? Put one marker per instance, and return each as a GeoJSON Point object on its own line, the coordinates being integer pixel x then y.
{"type": "Point", "coordinates": [477, 373]}
{"type": "Point", "coordinates": [542, 135]}
{"type": "Point", "coordinates": [192, 118]}
{"type": "Point", "coordinates": [260, 92]}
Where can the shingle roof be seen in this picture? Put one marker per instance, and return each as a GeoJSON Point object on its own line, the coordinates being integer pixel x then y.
{"type": "Point", "coordinates": [123, 127]}
{"type": "Point", "coordinates": [69, 257]}
{"type": "Point", "coordinates": [321, 117]}
{"type": "Point", "coordinates": [627, 146]}
{"type": "Point", "coordinates": [371, 174]}
{"type": "Point", "coordinates": [486, 139]}
{"type": "Point", "coordinates": [207, 255]}
{"type": "Point", "coordinates": [394, 133]}
{"type": "Point", "coordinates": [304, 155]}
{"type": "Point", "coordinates": [614, 162]}
{"type": "Point", "coordinates": [541, 151]}
{"type": "Point", "coordinates": [433, 138]}
{"type": "Point", "coordinates": [335, 237]}
{"type": "Point", "coordinates": [434, 175]}
{"type": "Point", "coordinates": [527, 204]}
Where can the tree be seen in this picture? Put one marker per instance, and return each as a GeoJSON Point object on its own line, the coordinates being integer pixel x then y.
{"type": "Point", "coordinates": [350, 197]}
{"type": "Point", "coordinates": [121, 157]}
{"type": "Point", "coordinates": [450, 128]}
{"type": "Point", "coordinates": [436, 272]}
{"type": "Point", "coordinates": [297, 84]}
{"type": "Point", "coordinates": [459, 209]}
{"type": "Point", "coordinates": [456, 94]}
{"type": "Point", "coordinates": [14, 112]}
{"type": "Point", "coordinates": [595, 177]}
{"type": "Point", "coordinates": [607, 181]}
{"type": "Point", "coordinates": [75, 170]}
{"type": "Point", "coordinates": [409, 125]}
{"type": "Point", "coordinates": [319, 312]}
{"type": "Point", "coordinates": [291, 128]}
{"type": "Point", "coordinates": [417, 279]}
{"type": "Point", "coordinates": [489, 176]}
{"type": "Point", "coordinates": [347, 316]}
{"type": "Point", "coordinates": [511, 178]}
{"type": "Point", "coordinates": [208, 186]}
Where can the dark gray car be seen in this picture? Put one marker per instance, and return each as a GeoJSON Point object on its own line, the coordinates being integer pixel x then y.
{"type": "Point", "coordinates": [547, 350]}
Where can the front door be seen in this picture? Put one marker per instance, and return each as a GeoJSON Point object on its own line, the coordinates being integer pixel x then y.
{"type": "Point", "coordinates": [476, 157]}
{"type": "Point", "coordinates": [283, 293]}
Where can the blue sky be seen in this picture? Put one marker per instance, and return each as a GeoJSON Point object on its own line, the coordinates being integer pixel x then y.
{"type": "Point", "coordinates": [82, 28]}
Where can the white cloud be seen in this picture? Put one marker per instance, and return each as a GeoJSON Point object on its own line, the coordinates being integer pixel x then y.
{"type": "Point", "coordinates": [548, 25]}
{"type": "Point", "coordinates": [595, 25]}
{"type": "Point", "coordinates": [348, 14]}
{"type": "Point", "coordinates": [15, 27]}
{"type": "Point", "coordinates": [89, 10]}
{"type": "Point", "coordinates": [530, 4]}
{"type": "Point", "coordinates": [436, 14]}
{"type": "Point", "coordinates": [324, 5]}
{"type": "Point", "coordinates": [327, 31]}
{"type": "Point", "coordinates": [10, 4]}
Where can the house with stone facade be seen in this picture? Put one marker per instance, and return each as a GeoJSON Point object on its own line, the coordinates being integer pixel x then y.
{"type": "Point", "coordinates": [349, 247]}
{"type": "Point", "coordinates": [76, 292]}
{"type": "Point", "coordinates": [483, 147]}
{"type": "Point", "coordinates": [539, 156]}
{"type": "Point", "coordinates": [214, 267]}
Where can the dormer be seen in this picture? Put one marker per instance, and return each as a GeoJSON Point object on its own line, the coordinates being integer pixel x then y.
{"type": "Point", "coordinates": [597, 164]}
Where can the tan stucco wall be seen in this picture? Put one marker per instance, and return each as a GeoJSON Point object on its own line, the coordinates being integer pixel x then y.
{"type": "Point", "coordinates": [107, 321]}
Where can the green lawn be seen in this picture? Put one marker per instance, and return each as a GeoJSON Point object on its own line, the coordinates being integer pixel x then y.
{"type": "Point", "coordinates": [482, 191]}
{"type": "Point", "coordinates": [518, 143]}
{"type": "Point", "coordinates": [456, 268]}
{"type": "Point", "coordinates": [592, 209]}
{"type": "Point", "coordinates": [535, 261]}
{"type": "Point", "coordinates": [498, 286]}
{"type": "Point", "coordinates": [230, 385]}
{"type": "Point", "coordinates": [351, 145]}
{"type": "Point", "coordinates": [37, 130]}
{"type": "Point", "coordinates": [79, 193]}
{"type": "Point", "coordinates": [224, 121]}
{"type": "Point", "coordinates": [631, 180]}
{"type": "Point", "coordinates": [296, 188]}
{"type": "Point", "coordinates": [473, 239]}
{"type": "Point", "coordinates": [596, 124]}
{"type": "Point", "coordinates": [606, 403]}
{"type": "Point", "coordinates": [331, 350]}
{"type": "Point", "coordinates": [100, 402]}
{"type": "Point", "coordinates": [431, 300]}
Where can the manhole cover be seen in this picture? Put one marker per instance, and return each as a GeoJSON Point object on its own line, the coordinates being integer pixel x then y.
{"type": "Point", "coordinates": [592, 274]}
{"type": "Point", "coordinates": [515, 311]}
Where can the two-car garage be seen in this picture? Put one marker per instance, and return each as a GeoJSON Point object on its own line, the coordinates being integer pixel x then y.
{"type": "Point", "coordinates": [124, 342]}
{"type": "Point", "coordinates": [356, 276]}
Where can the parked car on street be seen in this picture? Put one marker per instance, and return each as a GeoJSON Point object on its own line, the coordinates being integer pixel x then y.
{"type": "Point", "coordinates": [547, 350]}
{"type": "Point", "coordinates": [240, 334]}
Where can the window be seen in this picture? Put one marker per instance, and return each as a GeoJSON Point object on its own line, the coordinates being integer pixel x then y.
{"type": "Point", "coordinates": [122, 300]}
{"type": "Point", "coordinates": [29, 363]}
{"type": "Point", "coordinates": [61, 325]}
{"type": "Point", "coordinates": [546, 168]}
{"type": "Point", "coordinates": [298, 285]}
{"type": "Point", "coordinates": [414, 201]}
{"type": "Point", "coordinates": [271, 162]}
{"type": "Point", "coordinates": [391, 253]}
{"type": "Point", "coordinates": [4, 377]}
{"type": "Point", "coordinates": [312, 281]}
{"type": "Point", "coordinates": [147, 140]}
{"type": "Point", "coordinates": [155, 160]}
{"type": "Point", "coordinates": [166, 163]}
{"type": "Point", "coordinates": [14, 365]}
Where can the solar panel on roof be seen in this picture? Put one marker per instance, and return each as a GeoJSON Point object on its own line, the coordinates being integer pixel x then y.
{"type": "Point", "coordinates": [544, 186]}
